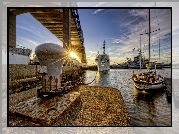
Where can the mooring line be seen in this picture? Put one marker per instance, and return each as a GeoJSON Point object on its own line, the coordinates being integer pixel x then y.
{"type": "Point", "coordinates": [92, 80]}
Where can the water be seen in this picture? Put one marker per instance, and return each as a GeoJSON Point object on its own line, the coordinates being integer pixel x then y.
{"type": "Point", "coordinates": [145, 109]}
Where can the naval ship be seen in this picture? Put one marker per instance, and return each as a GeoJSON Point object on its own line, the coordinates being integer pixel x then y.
{"type": "Point", "coordinates": [102, 60]}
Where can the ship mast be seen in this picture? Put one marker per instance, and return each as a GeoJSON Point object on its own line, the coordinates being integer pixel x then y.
{"type": "Point", "coordinates": [140, 52]}
{"type": "Point", "coordinates": [104, 47]}
{"type": "Point", "coordinates": [159, 47]}
{"type": "Point", "coordinates": [97, 48]}
{"type": "Point", "coordinates": [149, 39]}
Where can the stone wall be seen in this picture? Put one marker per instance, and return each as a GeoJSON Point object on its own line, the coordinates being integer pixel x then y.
{"type": "Point", "coordinates": [19, 71]}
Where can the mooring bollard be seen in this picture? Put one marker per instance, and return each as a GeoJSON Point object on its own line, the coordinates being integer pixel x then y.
{"type": "Point", "coordinates": [51, 57]}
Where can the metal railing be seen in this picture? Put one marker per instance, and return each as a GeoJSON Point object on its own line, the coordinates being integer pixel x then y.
{"type": "Point", "coordinates": [78, 26]}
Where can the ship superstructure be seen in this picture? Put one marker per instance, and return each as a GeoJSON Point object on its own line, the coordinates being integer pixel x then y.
{"type": "Point", "coordinates": [102, 60]}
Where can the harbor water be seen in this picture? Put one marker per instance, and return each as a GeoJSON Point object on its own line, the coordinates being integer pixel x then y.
{"type": "Point", "coordinates": [145, 109]}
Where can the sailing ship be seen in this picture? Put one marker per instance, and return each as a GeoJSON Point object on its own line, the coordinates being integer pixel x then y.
{"type": "Point", "coordinates": [102, 60]}
{"type": "Point", "coordinates": [148, 80]}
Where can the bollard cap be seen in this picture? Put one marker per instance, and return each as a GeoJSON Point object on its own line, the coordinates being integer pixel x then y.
{"type": "Point", "coordinates": [50, 52]}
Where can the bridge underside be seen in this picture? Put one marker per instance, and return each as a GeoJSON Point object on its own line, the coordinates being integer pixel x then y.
{"type": "Point", "coordinates": [63, 23]}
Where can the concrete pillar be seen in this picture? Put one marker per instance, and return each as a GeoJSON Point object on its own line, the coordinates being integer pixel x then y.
{"type": "Point", "coordinates": [12, 30]}
{"type": "Point", "coordinates": [83, 55]}
{"type": "Point", "coordinates": [67, 29]}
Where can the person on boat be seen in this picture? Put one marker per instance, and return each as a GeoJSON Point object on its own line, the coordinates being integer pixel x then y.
{"type": "Point", "coordinates": [144, 76]}
{"type": "Point", "coordinates": [147, 66]}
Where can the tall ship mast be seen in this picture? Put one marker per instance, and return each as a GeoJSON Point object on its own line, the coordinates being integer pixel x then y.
{"type": "Point", "coordinates": [148, 66]}
{"type": "Point", "coordinates": [148, 80]}
{"type": "Point", "coordinates": [102, 60]}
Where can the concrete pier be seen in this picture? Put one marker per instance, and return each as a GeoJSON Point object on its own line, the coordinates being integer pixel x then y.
{"type": "Point", "coordinates": [84, 106]}
{"type": "Point", "coordinates": [45, 111]}
{"type": "Point", "coordinates": [102, 106]}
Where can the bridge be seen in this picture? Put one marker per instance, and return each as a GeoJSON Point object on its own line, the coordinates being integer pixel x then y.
{"type": "Point", "coordinates": [62, 22]}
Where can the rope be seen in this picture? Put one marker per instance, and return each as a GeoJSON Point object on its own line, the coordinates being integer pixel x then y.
{"type": "Point", "coordinates": [92, 80]}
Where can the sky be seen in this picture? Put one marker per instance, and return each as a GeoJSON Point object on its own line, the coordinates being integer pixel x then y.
{"type": "Point", "coordinates": [120, 28]}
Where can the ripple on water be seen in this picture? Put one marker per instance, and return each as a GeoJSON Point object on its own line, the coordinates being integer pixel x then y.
{"type": "Point", "coordinates": [145, 109]}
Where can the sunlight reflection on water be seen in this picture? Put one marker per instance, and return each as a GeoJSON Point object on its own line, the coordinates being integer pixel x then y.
{"type": "Point", "coordinates": [145, 109]}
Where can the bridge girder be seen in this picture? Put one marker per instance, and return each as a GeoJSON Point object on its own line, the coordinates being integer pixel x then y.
{"type": "Point", "coordinates": [53, 20]}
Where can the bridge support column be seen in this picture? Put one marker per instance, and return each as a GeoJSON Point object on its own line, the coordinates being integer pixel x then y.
{"type": "Point", "coordinates": [83, 55]}
{"type": "Point", "coordinates": [67, 29]}
{"type": "Point", "coordinates": [12, 30]}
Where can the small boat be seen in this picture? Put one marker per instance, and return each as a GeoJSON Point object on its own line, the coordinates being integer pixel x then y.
{"type": "Point", "coordinates": [148, 80]}
{"type": "Point", "coordinates": [102, 60]}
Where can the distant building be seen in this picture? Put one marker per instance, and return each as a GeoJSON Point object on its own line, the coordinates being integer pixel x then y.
{"type": "Point", "coordinates": [19, 55]}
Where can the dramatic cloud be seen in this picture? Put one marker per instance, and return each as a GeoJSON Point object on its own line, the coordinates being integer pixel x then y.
{"type": "Point", "coordinates": [35, 32]}
{"type": "Point", "coordinates": [22, 41]}
{"type": "Point", "coordinates": [138, 25]}
{"type": "Point", "coordinates": [98, 10]}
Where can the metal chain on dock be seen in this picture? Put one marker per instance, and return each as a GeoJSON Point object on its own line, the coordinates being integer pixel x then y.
{"type": "Point", "coordinates": [92, 80]}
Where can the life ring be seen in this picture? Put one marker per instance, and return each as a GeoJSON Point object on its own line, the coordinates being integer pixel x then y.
{"type": "Point", "coordinates": [151, 78]}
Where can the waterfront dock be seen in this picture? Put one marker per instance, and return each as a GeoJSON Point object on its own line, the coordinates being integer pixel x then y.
{"type": "Point", "coordinates": [90, 106]}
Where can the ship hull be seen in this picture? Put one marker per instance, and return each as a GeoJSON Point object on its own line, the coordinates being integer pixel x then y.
{"type": "Point", "coordinates": [103, 62]}
{"type": "Point", "coordinates": [148, 86]}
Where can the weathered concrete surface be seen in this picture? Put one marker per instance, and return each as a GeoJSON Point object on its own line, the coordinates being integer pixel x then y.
{"type": "Point", "coordinates": [20, 121]}
{"type": "Point", "coordinates": [44, 111]}
{"type": "Point", "coordinates": [18, 97]}
{"type": "Point", "coordinates": [101, 106]}
{"type": "Point", "coordinates": [95, 106]}
{"type": "Point", "coordinates": [19, 71]}
{"type": "Point", "coordinates": [23, 84]}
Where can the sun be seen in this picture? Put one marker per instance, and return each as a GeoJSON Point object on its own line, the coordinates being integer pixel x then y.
{"type": "Point", "coordinates": [73, 55]}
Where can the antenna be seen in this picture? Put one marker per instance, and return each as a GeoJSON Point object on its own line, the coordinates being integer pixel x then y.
{"type": "Point", "coordinates": [149, 36]}
{"type": "Point", "coordinates": [97, 48]}
{"type": "Point", "coordinates": [140, 52]}
{"type": "Point", "coordinates": [159, 47]}
{"type": "Point", "coordinates": [159, 33]}
{"type": "Point", "coordinates": [104, 47]}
